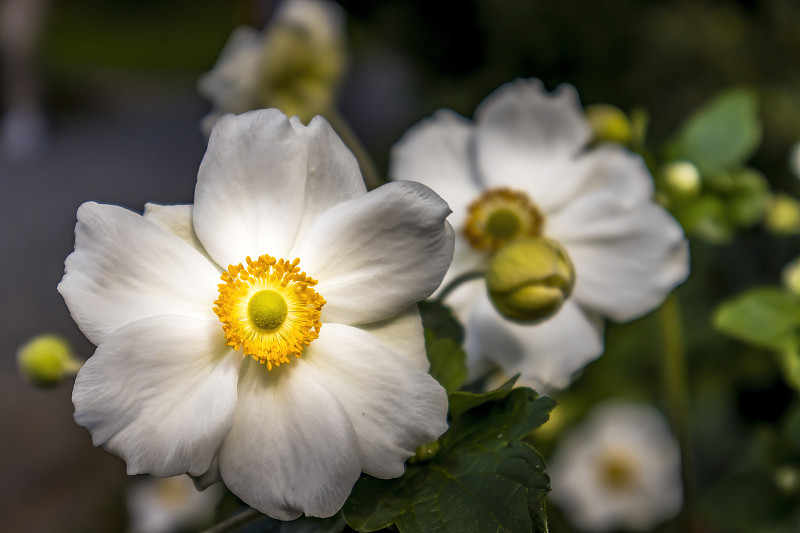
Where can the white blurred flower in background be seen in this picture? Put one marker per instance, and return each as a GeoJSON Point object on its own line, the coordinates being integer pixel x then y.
{"type": "Point", "coordinates": [166, 505]}
{"type": "Point", "coordinates": [295, 64]}
{"type": "Point", "coordinates": [523, 170]}
{"type": "Point", "coordinates": [619, 470]}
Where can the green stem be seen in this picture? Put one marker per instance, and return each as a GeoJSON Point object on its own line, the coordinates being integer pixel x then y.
{"type": "Point", "coordinates": [677, 390]}
{"type": "Point", "coordinates": [457, 282]}
{"type": "Point", "coordinates": [372, 177]}
{"type": "Point", "coordinates": [237, 521]}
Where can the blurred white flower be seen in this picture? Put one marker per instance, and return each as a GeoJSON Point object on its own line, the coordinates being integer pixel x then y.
{"type": "Point", "coordinates": [294, 65]}
{"type": "Point", "coordinates": [524, 162]}
{"type": "Point", "coordinates": [619, 470]}
{"type": "Point", "coordinates": [172, 390]}
{"type": "Point", "coordinates": [166, 505]}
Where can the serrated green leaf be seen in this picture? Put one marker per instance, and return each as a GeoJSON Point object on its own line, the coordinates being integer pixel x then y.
{"type": "Point", "coordinates": [443, 338]}
{"type": "Point", "coordinates": [484, 477]}
{"type": "Point", "coordinates": [448, 361]}
{"type": "Point", "coordinates": [722, 135]}
{"type": "Point", "coordinates": [440, 320]}
{"type": "Point", "coordinates": [766, 317]}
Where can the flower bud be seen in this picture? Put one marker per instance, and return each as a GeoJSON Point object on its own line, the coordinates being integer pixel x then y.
{"type": "Point", "coordinates": [790, 276]}
{"type": "Point", "coordinates": [608, 123]}
{"type": "Point", "coordinates": [681, 179]}
{"type": "Point", "coordinates": [783, 215]}
{"type": "Point", "coordinates": [529, 279]}
{"type": "Point", "coordinates": [46, 359]}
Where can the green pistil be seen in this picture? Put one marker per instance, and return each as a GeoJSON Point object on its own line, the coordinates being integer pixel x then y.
{"type": "Point", "coordinates": [503, 224]}
{"type": "Point", "coordinates": [267, 310]}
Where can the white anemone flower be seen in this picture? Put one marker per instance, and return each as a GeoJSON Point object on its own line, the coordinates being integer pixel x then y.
{"type": "Point", "coordinates": [284, 385]}
{"type": "Point", "coordinates": [526, 157]}
{"type": "Point", "coordinates": [619, 470]}
{"type": "Point", "coordinates": [294, 65]}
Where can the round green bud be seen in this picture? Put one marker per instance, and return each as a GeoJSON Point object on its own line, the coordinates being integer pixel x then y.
{"type": "Point", "coordinates": [609, 123]}
{"type": "Point", "coordinates": [529, 279]}
{"type": "Point", "coordinates": [783, 215]}
{"type": "Point", "coordinates": [267, 310]}
{"type": "Point", "coordinates": [681, 179]}
{"type": "Point", "coordinates": [46, 359]}
{"type": "Point", "coordinates": [790, 276]}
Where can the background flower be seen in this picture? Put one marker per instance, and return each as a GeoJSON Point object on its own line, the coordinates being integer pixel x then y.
{"type": "Point", "coordinates": [618, 470]}
{"type": "Point", "coordinates": [596, 202]}
{"type": "Point", "coordinates": [294, 65]}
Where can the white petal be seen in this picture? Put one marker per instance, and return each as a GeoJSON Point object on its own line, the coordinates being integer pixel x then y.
{"type": "Point", "coordinates": [160, 393]}
{"type": "Point", "coordinates": [525, 136]}
{"type": "Point", "coordinates": [628, 252]}
{"type": "Point", "coordinates": [610, 180]}
{"type": "Point", "coordinates": [437, 152]}
{"type": "Point", "coordinates": [292, 449]}
{"type": "Point", "coordinates": [393, 406]}
{"type": "Point", "coordinates": [250, 187]}
{"type": "Point", "coordinates": [630, 270]}
{"type": "Point", "coordinates": [466, 259]}
{"type": "Point", "coordinates": [176, 219]}
{"type": "Point", "coordinates": [377, 254]}
{"type": "Point", "coordinates": [333, 172]}
{"type": "Point", "coordinates": [404, 334]}
{"type": "Point", "coordinates": [125, 268]}
{"type": "Point", "coordinates": [232, 85]}
{"type": "Point", "coordinates": [546, 354]}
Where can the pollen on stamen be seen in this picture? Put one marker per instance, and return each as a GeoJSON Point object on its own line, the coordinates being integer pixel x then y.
{"type": "Point", "coordinates": [290, 327]}
{"type": "Point", "coordinates": [499, 216]}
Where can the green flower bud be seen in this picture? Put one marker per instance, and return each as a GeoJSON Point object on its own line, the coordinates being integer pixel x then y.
{"type": "Point", "coordinates": [783, 215]}
{"type": "Point", "coordinates": [608, 123]}
{"type": "Point", "coordinates": [681, 179]}
{"type": "Point", "coordinates": [529, 279]}
{"type": "Point", "coordinates": [46, 359]}
{"type": "Point", "coordinates": [790, 276]}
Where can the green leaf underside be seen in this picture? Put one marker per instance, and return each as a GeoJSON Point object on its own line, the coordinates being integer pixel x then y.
{"type": "Point", "coordinates": [484, 478]}
{"type": "Point", "coordinates": [722, 135]}
{"type": "Point", "coordinates": [766, 317]}
{"type": "Point", "coordinates": [443, 338]}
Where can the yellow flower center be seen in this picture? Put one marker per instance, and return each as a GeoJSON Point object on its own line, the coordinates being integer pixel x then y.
{"type": "Point", "coordinates": [617, 472]}
{"type": "Point", "coordinates": [269, 309]}
{"type": "Point", "coordinates": [499, 216]}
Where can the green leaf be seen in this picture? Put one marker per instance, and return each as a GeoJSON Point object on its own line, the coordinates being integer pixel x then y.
{"type": "Point", "coordinates": [765, 317]}
{"type": "Point", "coordinates": [750, 196]}
{"type": "Point", "coordinates": [443, 338]}
{"type": "Point", "coordinates": [440, 320]}
{"type": "Point", "coordinates": [484, 477]}
{"type": "Point", "coordinates": [722, 135]}
{"type": "Point", "coordinates": [707, 219]}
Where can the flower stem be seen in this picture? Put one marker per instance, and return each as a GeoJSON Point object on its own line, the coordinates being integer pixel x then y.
{"type": "Point", "coordinates": [677, 390]}
{"type": "Point", "coordinates": [236, 521]}
{"type": "Point", "coordinates": [457, 282]}
{"type": "Point", "coordinates": [372, 177]}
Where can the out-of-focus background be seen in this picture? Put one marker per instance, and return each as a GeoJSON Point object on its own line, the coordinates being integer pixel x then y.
{"type": "Point", "coordinates": [116, 116]}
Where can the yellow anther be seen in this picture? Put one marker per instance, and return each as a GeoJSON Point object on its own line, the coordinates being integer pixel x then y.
{"type": "Point", "coordinates": [269, 309]}
{"type": "Point", "coordinates": [500, 216]}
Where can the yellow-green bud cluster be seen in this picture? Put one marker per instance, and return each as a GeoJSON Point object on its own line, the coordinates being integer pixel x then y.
{"type": "Point", "coordinates": [608, 123]}
{"type": "Point", "coordinates": [529, 279]}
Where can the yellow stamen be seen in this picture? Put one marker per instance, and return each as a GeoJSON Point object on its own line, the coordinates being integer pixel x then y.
{"type": "Point", "coordinates": [499, 216]}
{"type": "Point", "coordinates": [269, 309]}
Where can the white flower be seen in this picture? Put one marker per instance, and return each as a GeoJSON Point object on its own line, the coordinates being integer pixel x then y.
{"type": "Point", "coordinates": [342, 387]}
{"type": "Point", "coordinates": [620, 470]}
{"type": "Point", "coordinates": [526, 154]}
{"type": "Point", "coordinates": [294, 65]}
{"type": "Point", "coordinates": [166, 505]}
